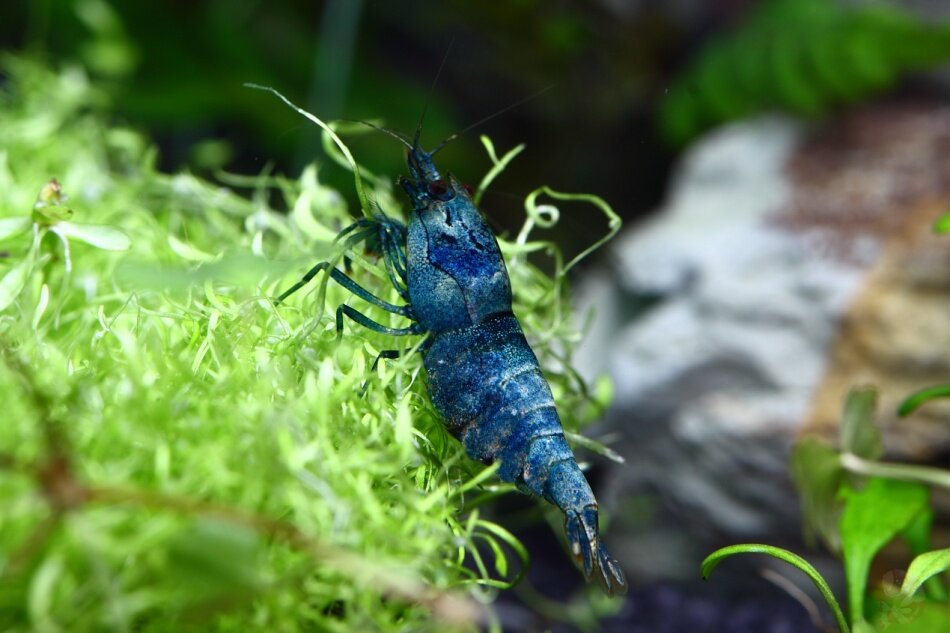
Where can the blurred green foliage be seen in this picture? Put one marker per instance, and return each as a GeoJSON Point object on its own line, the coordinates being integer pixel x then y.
{"type": "Point", "coordinates": [176, 68]}
{"type": "Point", "coordinates": [179, 68]}
{"type": "Point", "coordinates": [803, 57]}
{"type": "Point", "coordinates": [858, 505]}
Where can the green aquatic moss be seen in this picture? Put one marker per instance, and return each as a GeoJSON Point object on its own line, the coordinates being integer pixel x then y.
{"type": "Point", "coordinates": [176, 450]}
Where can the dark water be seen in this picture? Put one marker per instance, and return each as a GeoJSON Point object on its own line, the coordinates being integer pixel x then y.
{"type": "Point", "coordinates": [733, 601]}
{"type": "Point", "coordinates": [668, 608]}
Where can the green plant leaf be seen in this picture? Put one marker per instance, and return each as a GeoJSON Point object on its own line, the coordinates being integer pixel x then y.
{"type": "Point", "coordinates": [915, 617]}
{"type": "Point", "coordinates": [357, 178]}
{"type": "Point", "coordinates": [498, 166]}
{"type": "Point", "coordinates": [494, 535]}
{"type": "Point", "coordinates": [99, 235]}
{"type": "Point", "coordinates": [188, 251]}
{"type": "Point", "coordinates": [792, 88]}
{"type": "Point", "coordinates": [831, 69]}
{"type": "Point", "coordinates": [713, 560]}
{"type": "Point", "coordinates": [925, 566]}
{"type": "Point", "coordinates": [942, 225]}
{"type": "Point", "coordinates": [716, 84]}
{"type": "Point", "coordinates": [679, 114]}
{"type": "Point", "coordinates": [818, 475]}
{"type": "Point", "coordinates": [871, 519]}
{"type": "Point", "coordinates": [613, 220]}
{"type": "Point", "coordinates": [868, 63]}
{"type": "Point", "coordinates": [917, 536]}
{"type": "Point", "coordinates": [217, 555]}
{"type": "Point", "coordinates": [51, 214]}
{"type": "Point", "coordinates": [13, 282]}
{"type": "Point", "coordinates": [43, 588]}
{"type": "Point", "coordinates": [914, 401]}
{"type": "Point", "coordinates": [315, 196]}
{"type": "Point", "coordinates": [576, 439]}
{"type": "Point", "coordinates": [799, 56]}
{"type": "Point", "coordinates": [13, 226]}
{"type": "Point", "coordinates": [917, 533]}
{"type": "Point", "coordinates": [863, 627]}
{"type": "Point", "coordinates": [859, 435]}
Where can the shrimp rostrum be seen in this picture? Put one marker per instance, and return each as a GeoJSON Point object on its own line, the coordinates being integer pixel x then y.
{"type": "Point", "coordinates": [483, 378]}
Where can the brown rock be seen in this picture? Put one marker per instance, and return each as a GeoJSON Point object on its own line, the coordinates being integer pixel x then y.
{"type": "Point", "coordinates": [883, 176]}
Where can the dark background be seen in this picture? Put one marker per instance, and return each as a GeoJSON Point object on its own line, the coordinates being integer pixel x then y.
{"type": "Point", "coordinates": [175, 68]}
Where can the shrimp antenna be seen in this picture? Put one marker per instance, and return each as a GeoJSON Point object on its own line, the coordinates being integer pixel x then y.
{"type": "Point", "coordinates": [425, 107]}
{"type": "Point", "coordinates": [399, 136]}
{"type": "Point", "coordinates": [490, 117]}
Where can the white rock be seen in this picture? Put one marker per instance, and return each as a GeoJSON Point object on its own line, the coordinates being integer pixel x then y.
{"type": "Point", "coordinates": [715, 328]}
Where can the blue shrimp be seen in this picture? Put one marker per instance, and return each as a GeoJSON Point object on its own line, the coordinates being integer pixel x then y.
{"type": "Point", "coordinates": [483, 377]}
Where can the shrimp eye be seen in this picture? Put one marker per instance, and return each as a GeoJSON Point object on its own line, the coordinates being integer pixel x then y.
{"type": "Point", "coordinates": [469, 189]}
{"type": "Point", "coordinates": [438, 188]}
